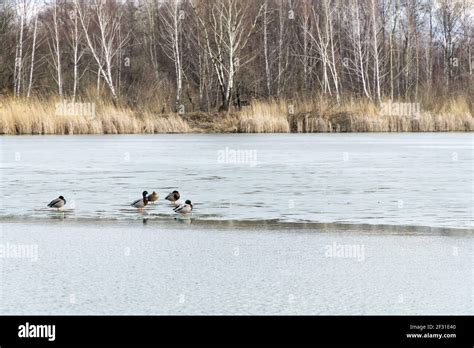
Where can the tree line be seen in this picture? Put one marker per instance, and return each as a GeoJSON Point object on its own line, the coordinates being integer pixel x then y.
{"type": "Point", "coordinates": [205, 55]}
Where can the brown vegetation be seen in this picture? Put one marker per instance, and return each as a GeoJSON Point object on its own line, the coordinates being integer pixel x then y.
{"type": "Point", "coordinates": [35, 116]}
{"type": "Point", "coordinates": [40, 117]}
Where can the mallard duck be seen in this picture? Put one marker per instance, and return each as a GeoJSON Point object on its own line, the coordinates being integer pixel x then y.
{"type": "Point", "coordinates": [153, 197]}
{"type": "Point", "coordinates": [141, 203]}
{"type": "Point", "coordinates": [185, 208]}
{"type": "Point", "coordinates": [173, 197]}
{"type": "Point", "coordinates": [57, 203]}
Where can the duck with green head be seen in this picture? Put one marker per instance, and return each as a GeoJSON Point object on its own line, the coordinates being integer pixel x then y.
{"type": "Point", "coordinates": [185, 208]}
{"type": "Point", "coordinates": [142, 202]}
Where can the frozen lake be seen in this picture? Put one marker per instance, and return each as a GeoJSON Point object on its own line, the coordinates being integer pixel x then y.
{"type": "Point", "coordinates": [179, 268]}
{"type": "Point", "coordinates": [283, 224]}
{"type": "Point", "coordinates": [399, 179]}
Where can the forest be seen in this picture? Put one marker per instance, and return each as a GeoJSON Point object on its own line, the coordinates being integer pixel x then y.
{"type": "Point", "coordinates": [236, 65]}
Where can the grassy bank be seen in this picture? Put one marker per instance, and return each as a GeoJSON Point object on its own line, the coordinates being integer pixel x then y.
{"type": "Point", "coordinates": [19, 116]}
{"type": "Point", "coordinates": [42, 117]}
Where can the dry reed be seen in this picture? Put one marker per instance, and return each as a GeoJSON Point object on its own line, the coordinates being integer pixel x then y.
{"type": "Point", "coordinates": [41, 117]}
{"type": "Point", "coordinates": [266, 117]}
{"type": "Point", "coordinates": [318, 114]}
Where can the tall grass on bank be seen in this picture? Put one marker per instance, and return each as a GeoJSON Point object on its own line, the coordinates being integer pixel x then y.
{"type": "Point", "coordinates": [365, 116]}
{"type": "Point", "coordinates": [35, 116]}
{"type": "Point", "coordinates": [317, 114]}
{"type": "Point", "coordinates": [322, 114]}
{"type": "Point", "coordinates": [264, 117]}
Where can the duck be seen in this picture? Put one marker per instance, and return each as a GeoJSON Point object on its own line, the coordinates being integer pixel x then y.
{"type": "Point", "coordinates": [153, 197]}
{"type": "Point", "coordinates": [185, 208]}
{"type": "Point", "coordinates": [173, 197]}
{"type": "Point", "coordinates": [57, 203]}
{"type": "Point", "coordinates": [141, 203]}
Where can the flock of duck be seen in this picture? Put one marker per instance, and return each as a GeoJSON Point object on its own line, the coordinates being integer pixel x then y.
{"type": "Point", "coordinates": [179, 206]}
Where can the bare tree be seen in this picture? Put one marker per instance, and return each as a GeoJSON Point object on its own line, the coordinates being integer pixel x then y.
{"type": "Point", "coordinates": [324, 42]}
{"type": "Point", "coordinates": [22, 8]}
{"type": "Point", "coordinates": [448, 15]}
{"type": "Point", "coordinates": [104, 46]}
{"type": "Point", "coordinates": [150, 40]}
{"type": "Point", "coordinates": [376, 50]}
{"type": "Point", "coordinates": [33, 50]}
{"type": "Point", "coordinates": [266, 21]}
{"type": "Point", "coordinates": [75, 42]}
{"type": "Point", "coordinates": [54, 47]}
{"type": "Point", "coordinates": [227, 30]}
{"type": "Point", "coordinates": [360, 53]}
{"type": "Point", "coordinates": [171, 35]}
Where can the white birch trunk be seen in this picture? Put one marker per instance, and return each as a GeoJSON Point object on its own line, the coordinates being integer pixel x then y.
{"type": "Point", "coordinates": [33, 49]}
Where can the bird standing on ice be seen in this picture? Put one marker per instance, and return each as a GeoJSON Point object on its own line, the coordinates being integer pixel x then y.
{"type": "Point", "coordinates": [185, 208]}
{"type": "Point", "coordinates": [141, 203]}
{"type": "Point", "coordinates": [57, 203]}
{"type": "Point", "coordinates": [153, 197]}
{"type": "Point", "coordinates": [173, 197]}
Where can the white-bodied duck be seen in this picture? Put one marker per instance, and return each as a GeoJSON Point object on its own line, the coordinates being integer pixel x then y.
{"type": "Point", "coordinates": [142, 202]}
{"type": "Point", "coordinates": [185, 208]}
{"type": "Point", "coordinates": [57, 203]}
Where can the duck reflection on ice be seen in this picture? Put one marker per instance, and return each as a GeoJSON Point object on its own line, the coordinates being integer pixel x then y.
{"type": "Point", "coordinates": [184, 219]}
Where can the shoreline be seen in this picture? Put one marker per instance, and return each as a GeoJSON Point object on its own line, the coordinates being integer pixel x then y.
{"type": "Point", "coordinates": [41, 117]}
{"type": "Point", "coordinates": [202, 123]}
{"type": "Point", "coordinates": [263, 225]}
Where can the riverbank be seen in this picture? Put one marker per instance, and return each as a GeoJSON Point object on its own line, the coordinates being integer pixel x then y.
{"type": "Point", "coordinates": [19, 116]}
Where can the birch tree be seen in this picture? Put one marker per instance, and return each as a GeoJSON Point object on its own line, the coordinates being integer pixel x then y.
{"type": "Point", "coordinates": [227, 27]}
{"type": "Point", "coordinates": [22, 8]}
{"type": "Point", "coordinates": [104, 46]}
{"type": "Point", "coordinates": [75, 42]}
{"type": "Point", "coordinates": [359, 48]}
{"type": "Point", "coordinates": [376, 50]}
{"type": "Point", "coordinates": [266, 21]}
{"type": "Point", "coordinates": [54, 47]}
{"type": "Point", "coordinates": [323, 40]}
{"type": "Point", "coordinates": [33, 50]}
{"type": "Point", "coordinates": [171, 37]}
